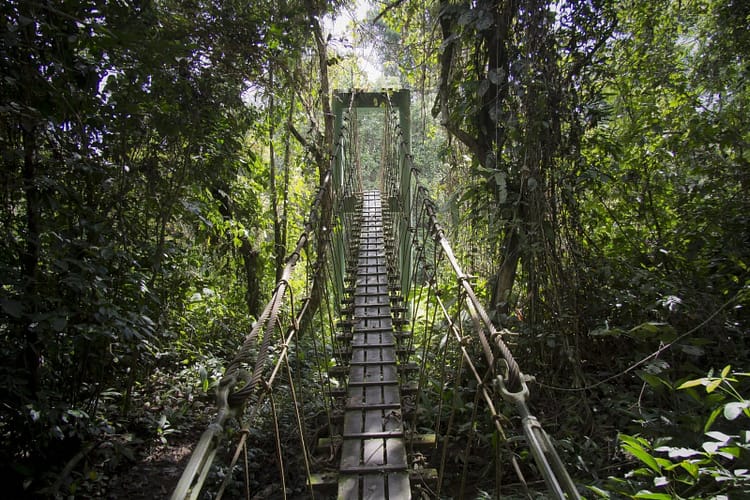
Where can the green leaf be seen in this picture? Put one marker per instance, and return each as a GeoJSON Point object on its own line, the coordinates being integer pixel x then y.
{"type": "Point", "coordinates": [725, 371]}
{"type": "Point", "coordinates": [607, 332]}
{"type": "Point", "coordinates": [692, 383]}
{"type": "Point", "coordinates": [677, 452]}
{"type": "Point", "coordinates": [712, 419]}
{"type": "Point", "coordinates": [654, 381]}
{"type": "Point", "coordinates": [632, 446]}
{"type": "Point", "coordinates": [730, 450]}
{"type": "Point", "coordinates": [719, 436]}
{"type": "Point", "coordinates": [653, 330]}
{"type": "Point", "coordinates": [711, 387]}
{"type": "Point", "coordinates": [660, 481]}
{"type": "Point", "coordinates": [204, 378]}
{"type": "Point", "coordinates": [600, 493]}
{"type": "Point", "coordinates": [690, 468]}
{"type": "Point", "coordinates": [710, 447]}
{"type": "Point", "coordinates": [654, 496]}
{"type": "Point", "coordinates": [692, 350]}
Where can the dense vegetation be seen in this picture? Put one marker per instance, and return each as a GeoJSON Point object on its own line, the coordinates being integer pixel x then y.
{"type": "Point", "coordinates": [592, 157]}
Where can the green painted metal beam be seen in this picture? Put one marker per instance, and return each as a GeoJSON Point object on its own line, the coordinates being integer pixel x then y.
{"type": "Point", "coordinates": [395, 98]}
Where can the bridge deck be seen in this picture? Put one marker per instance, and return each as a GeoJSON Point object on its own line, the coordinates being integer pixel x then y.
{"type": "Point", "coordinates": [373, 454]}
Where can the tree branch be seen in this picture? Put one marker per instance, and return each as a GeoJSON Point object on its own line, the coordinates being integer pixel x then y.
{"type": "Point", "coordinates": [307, 145]}
{"type": "Point", "coordinates": [466, 138]}
{"type": "Point", "coordinates": [388, 7]}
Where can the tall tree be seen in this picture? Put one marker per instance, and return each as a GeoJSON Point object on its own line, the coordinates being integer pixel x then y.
{"type": "Point", "coordinates": [513, 113]}
{"type": "Point", "coordinates": [119, 124]}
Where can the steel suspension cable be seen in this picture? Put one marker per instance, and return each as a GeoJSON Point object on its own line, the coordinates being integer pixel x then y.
{"type": "Point", "coordinates": [511, 384]}
{"type": "Point", "coordinates": [237, 387]}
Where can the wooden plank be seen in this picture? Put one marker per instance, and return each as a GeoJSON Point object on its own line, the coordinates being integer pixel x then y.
{"type": "Point", "coordinates": [371, 347]}
{"type": "Point", "coordinates": [351, 453]}
{"type": "Point", "coordinates": [373, 421]}
{"type": "Point", "coordinates": [373, 373]}
{"type": "Point", "coordinates": [390, 372]}
{"type": "Point", "coordinates": [370, 300]}
{"type": "Point", "coordinates": [348, 488]}
{"type": "Point", "coordinates": [355, 396]}
{"type": "Point", "coordinates": [379, 382]}
{"type": "Point", "coordinates": [365, 363]}
{"type": "Point", "coordinates": [388, 352]}
{"type": "Point", "coordinates": [356, 373]}
{"type": "Point", "coordinates": [398, 486]}
{"type": "Point", "coordinates": [353, 422]}
{"type": "Point", "coordinates": [379, 330]}
{"type": "Point", "coordinates": [395, 452]}
{"type": "Point", "coordinates": [391, 394]}
{"type": "Point", "coordinates": [373, 437]}
{"type": "Point", "coordinates": [374, 353]}
{"type": "Point", "coordinates": [359, 354]}
{"type": "Point", "coordinates": [358, 337]}
{"type": "Point", "coordinates": [374, 394]}
{"type": "Point", "coordinates": [374, 406]}
{"type": "Point", "coordinates": [373, 487]}
{"type": "Point", "coordinates": [373, 452]}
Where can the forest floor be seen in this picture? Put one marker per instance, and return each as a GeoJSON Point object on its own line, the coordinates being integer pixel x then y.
{"type": "Point", "coordinates": [156, 469]}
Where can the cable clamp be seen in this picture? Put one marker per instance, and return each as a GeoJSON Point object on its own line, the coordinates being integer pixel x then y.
{"type": "Point", "coordinates": [227, 382]}
{"type": "Point", "coordinates": [519, 397]}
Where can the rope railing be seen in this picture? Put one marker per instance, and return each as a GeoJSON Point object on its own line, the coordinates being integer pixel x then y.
{"type": "Point", "coordinates": [242, 391]}
{"type": "Point", "coordinates": [238, 388]}
{"type": "Point", "coordinates": [504, 380]}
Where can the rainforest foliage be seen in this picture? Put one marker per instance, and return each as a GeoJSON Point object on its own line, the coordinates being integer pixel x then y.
{"type": "Point", "coordinates": [592, 160]}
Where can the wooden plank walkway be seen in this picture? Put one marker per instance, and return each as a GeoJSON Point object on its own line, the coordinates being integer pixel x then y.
{"type": "Point", "coordinates": [373, 452]}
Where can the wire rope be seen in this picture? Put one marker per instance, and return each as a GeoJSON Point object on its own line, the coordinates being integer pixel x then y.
{"type": "Point", "coordinates": [279, 453]}
{"type": "Point", "coordinates": [301, 428]}
{"type": "Point", "coordinates": [451, 418]}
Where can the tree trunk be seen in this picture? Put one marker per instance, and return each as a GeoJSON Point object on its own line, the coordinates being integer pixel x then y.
{"type": "Point", "coordinates": [253, 268]}
{"type": "Point", "coordinates": [278, 250]}
{"type": "Point", "coordinates": [284, 225]}
{"type": "Point", "coordinates": [30, 259]}
{"type": "Point", "coordinates": [506, 274]}
{"type": "Point", "coordinates": [251, 259]}
{"type": "Point", "coordinates": [326, 206]}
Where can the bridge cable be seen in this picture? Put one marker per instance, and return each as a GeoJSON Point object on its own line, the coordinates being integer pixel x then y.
{"type": "Point", "coordinates": [236, 386]}
{"type": "Point", "coordinates": [512, 384]}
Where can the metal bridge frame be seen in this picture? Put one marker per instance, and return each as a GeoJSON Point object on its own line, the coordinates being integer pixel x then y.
{"type": "Point", "coordinates": [386, 99]}
{"type": "Point", "coordinates": [372, 317]}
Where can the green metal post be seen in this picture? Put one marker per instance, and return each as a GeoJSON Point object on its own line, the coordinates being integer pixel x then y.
{"type": "Point", "coordinates": [337, 182]}
{"type": "Point", "coordinates": [402, 99]}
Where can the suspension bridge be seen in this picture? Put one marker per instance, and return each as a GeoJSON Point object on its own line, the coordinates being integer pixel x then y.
{"type": "Point", "coordinates": [371, 309]}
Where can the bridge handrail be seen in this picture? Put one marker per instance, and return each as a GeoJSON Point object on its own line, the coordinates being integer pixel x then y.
{"type": "Point", "coordinates": [512, 385]}
{"type": "Point", "coordinates": [231, 401]}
